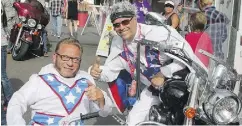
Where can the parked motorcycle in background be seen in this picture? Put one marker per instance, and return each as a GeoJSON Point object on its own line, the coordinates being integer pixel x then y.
{"type": "Point", "coordinates": [205, 96]}
{"type": "Point", "coordinates": [26, 35]}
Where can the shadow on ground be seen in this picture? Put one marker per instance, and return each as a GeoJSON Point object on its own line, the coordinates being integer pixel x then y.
{"type": "Point", "coordinates": [16, 83]}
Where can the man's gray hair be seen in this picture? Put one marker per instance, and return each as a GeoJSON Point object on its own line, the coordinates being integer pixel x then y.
{"type": "Point", "coordinates": [123, 9]}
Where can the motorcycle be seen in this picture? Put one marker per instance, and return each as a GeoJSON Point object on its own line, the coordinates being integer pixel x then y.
{"type": "Point", "coordinates": [206, 96]}
{"type": "Point", "coordinates": [26, 35]}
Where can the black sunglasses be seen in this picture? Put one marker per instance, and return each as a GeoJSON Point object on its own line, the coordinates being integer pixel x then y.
{"type": "Point", "coordinates": [124, 22]}
{"type": "Point", "coordinates": [169, 5]}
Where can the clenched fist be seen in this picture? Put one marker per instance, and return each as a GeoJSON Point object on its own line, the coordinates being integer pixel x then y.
{"type": "Point", "coordinates": [158, 80]}
{"type": "Point", "coordinates": [95, 70]}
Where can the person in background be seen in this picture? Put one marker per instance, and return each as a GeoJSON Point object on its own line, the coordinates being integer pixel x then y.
{"type": "Point", "coordinates": [45, 49]}
{"type": "Point", "coordinates": [180, 10]}
{"type": "Point", "coordinates": [198, 39]}
{"type": "Point", "coordinates": [143, 7]}
{"type": "Point", "coordinates": [72, 15]}
{"type": "Point", "coordinates": [181, 14]}
{"type": "Point", "coordinates": [12, 18]}
{"type": "Point", "coordinates": [172, 18]}
{"type": "Point", "coordinates": [59, 92]}
{"type": "Point", "coordinates": [56, 6]}
{"type": "Point", "coordinates": [216, 26]}
{"type": "Point", "coordinates": [40, 5]}
{"type": "Point", "coordinates": [64, 12]}
{"type": "Point", "coordinates": [6, 87]}
{"type": "Point", "coordinates": [44, 32]}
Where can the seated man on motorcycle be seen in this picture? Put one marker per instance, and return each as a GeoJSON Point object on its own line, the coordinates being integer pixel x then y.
{"type": "Point", "coordinates": [123, 55]}
{"type": "Point", "coordinates": [60, 91]}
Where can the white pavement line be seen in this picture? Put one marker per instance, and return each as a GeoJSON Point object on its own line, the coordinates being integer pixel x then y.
{"type": "Point", "coordinates": [119, 120]}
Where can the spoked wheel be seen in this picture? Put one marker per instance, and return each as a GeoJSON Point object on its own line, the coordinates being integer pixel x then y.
{"type": "Point", "coordinates": [19, 51]}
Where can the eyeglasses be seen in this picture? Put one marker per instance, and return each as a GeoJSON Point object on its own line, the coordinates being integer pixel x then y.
{"type": "Point", "coordinates": [67, 58]}
{"type": "Point", "coordinates": [124, 22]}
{"type": "Point", "coordinates": [169, 5]}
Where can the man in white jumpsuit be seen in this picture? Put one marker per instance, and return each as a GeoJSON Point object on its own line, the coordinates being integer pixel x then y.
{"type": "Point", "coordinates": [59, 92]}
{"type": "Point", "coordinates": [122, 58]}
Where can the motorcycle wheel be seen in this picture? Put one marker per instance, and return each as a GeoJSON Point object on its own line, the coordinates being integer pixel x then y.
{"type": "Point", "coordinates": [18, 52]}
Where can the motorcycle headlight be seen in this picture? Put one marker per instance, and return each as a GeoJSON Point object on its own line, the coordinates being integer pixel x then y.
{"type": "Point", "coordinates": [39, 26]}
{"type": "Point", "coordinates": [226, 110]}
{"type": "Point", "coordinates": [223, 106]}
{"type": "Point", "coordinates": [31, 23]}
{"type": "Point", "coordinates": [22, 18]}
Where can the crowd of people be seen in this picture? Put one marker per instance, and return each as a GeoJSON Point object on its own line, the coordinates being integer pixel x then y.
{"type": "Point", "coordinates": [64, 91]}
{"type": "Point", "coordinates": [209, 26]}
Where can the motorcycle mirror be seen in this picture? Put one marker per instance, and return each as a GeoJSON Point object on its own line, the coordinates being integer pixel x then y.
{"type": "Point", "coordinates": [153, 18]}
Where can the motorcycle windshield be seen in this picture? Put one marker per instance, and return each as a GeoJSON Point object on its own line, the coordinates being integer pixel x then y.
{"type": "Point", "coordinates": [220, 73]}
{"type": "Point", "coordinates": [203, 44]}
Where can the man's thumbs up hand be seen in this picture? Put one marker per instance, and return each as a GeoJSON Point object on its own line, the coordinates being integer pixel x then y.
{"type": "Point", "coordinates": [95, 70]}
{"type": "Point", "coordinates": [97, 62]}
{"type": "Point", "coordinates": [95, 94]}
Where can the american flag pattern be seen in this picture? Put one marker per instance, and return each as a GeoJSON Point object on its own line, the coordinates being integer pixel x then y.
{"type": "Point", "coordinates": [45, 119]}
{"type": "Point", "coordinates": [119, 87]}
{"type": "Point", "coordinates": [152, 59]}
{"type": "Point", "coordinates": [49, 119]}
{"type": "Point", "coordinates": [70, 97]}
